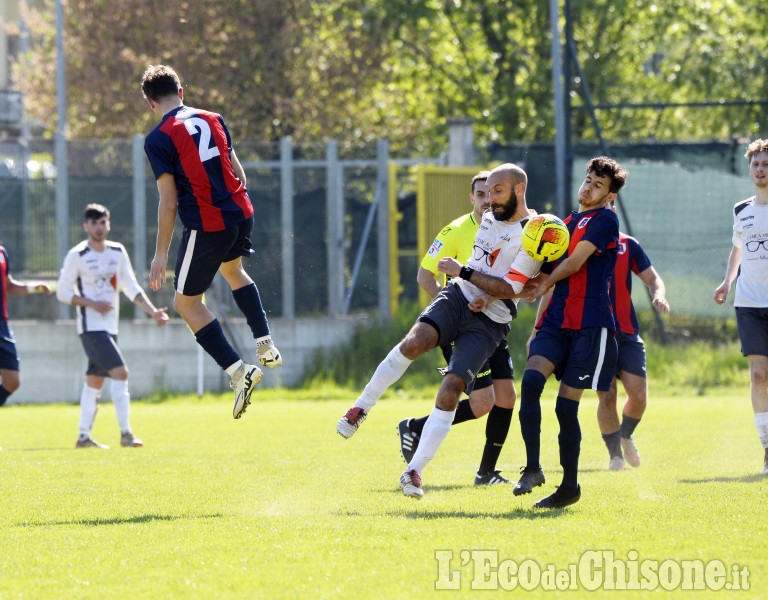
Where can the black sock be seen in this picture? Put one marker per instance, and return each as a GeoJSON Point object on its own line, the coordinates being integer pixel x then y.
{"type": "Point", "coordinates": [4, 395]}
{"type": "Point", "coordinates": [628, 425]}
{"type": "Point", "coordinates": [249, 303]}
{"type": "Point", "coordinates": [531, 388]}
{"type": "Point", "coordinates": [463, 413]}
{"type": "Point", "coordinates": [496, 430]}
{"type": "Point", "coordinates": [212, 339]}
{"type": "Point", "coordinates": [569, 438]}
{"type": "Point", "coordinates": [613, 443]}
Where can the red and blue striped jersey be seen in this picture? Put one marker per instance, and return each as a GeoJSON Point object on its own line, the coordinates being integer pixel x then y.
{"type": "Point", "coordinates": [194, 146]}
{"type": "Point", "coordinates": [4, 270]}
{"type": "Point", "coordinates": [584, 298]}
{"type": "Point", "coordinates": [631, 259]}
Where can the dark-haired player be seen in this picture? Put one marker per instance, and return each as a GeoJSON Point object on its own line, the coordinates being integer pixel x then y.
{"type": "Point", "coordinates": [199, 176]}
{"type": "Point", "coordinates": [574, 332]}
{"type": "Point", "coordinates": [630, 367]}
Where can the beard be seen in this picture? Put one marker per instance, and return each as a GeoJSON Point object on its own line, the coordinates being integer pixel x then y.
{"type": "Point", "coordinates": [505, 211]}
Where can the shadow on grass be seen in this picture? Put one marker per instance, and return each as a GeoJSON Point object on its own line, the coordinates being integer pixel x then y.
{"type": "Point", "coordinates": [97, 522]}
{"type": "Point", "coordinates": [530, 514]}
{"type": "Point", "coordinates": [725, 479]}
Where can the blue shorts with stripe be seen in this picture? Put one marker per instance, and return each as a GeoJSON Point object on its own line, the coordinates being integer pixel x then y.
{"type": "Point", "coordinates": [201, 253]}
{"type": "Point", "coordinates": [631, 354]}
{"type": "Point", "coordinates": [752, 324]}
{"type": "Point", "coordinates": [584, 359]}
{"type": "Point", "coordinates": [9, 357]}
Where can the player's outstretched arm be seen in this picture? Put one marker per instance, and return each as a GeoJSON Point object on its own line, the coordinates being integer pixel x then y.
{"type": "Point", "coordinates": [21, 288]}
{"type": "Point", "coordinates": [657, 288]}
{"type": "Point", "coordinates": [568, 267]}
{"type": "Point", "coordinates": [160, 315]}
{"type": "Point", "coordinates": [734, 259]}
{"type": "Point", "coordinates": [166, 219]}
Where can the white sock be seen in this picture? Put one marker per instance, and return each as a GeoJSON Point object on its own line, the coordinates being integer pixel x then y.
{"type": "Point", "coordinates": [89, 404]}
{"type": "Point", "coordinates": [435, 431]}
{"type": "Point", "coordinates": [761, 422]}
{"type": "Point", "coordinates": [122, 402]}
{"type": "Point", "coordinates": [388, 372]}
{"type": "Point", "coordinates": [233, 367]}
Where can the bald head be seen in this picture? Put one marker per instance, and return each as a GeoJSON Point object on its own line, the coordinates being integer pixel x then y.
{"type": "Point", "coordinates": [508, 174]}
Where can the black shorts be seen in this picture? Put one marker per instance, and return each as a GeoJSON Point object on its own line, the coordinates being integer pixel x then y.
{"type": "Point", "coordinates": [475, 337]}
{"type": "Point", "coordinates": [752, 324]}
{"type": "Point", "coordinates": [102, 352]}
{"type": "Point", "coordinates": [9, 357]}
{"type": "Point", "coordinates": [499, 366]}
{"type": "Point", "coordinates": [201, 253]}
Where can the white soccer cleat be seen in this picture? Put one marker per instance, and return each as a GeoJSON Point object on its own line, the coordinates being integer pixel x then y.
{"type": "Point", "coordinates": [269, 355]}
{"type": "Point", "coordinates": [616, 464]}
{"type": "Point", "coordinates": [350, 422]}
{"type": "Point", "coordinates": [243, 387]}
{"type": "Point", "coordinates": [410, 482]}
{"type": "Point", "coordinates": [630, 451]}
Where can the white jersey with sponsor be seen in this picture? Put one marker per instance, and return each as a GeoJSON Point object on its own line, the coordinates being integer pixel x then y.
{"type": "Point", "coordinates": [750, 233]}
{"type": "Point", "coordinates": [98, 276]}
{"type": "Point", "coordinates": [498, 251]}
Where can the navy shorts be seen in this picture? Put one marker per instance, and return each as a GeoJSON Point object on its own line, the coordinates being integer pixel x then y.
{"type": "Point", "coordinates": [752, 324]}
{"type": "Point", "coordinates": [201, 253]}
{"type": "Point", "coordinates": [499, 366]}
{"type": "Point", "coordinates": [475, 337]}
{"type": "Point", "coordinates": [102, 352]}
{"type": "Point", "coordinates": [9, 357]}
{"type": "Point", "coordinates": [631, 354]}
{"type": "Point", "coordinates": [584, 358]}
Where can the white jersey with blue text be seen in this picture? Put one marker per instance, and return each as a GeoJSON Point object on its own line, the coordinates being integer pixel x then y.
{"type": "Point", "coordinates": [750, 233]}
{"type": "Point", "coordinates": [498, 251]}
{"type": "Point", "coordinates": [98, 276]}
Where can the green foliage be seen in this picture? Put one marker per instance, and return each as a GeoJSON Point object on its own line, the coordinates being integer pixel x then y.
{"type": "Point", "coordinates": [277, 505]}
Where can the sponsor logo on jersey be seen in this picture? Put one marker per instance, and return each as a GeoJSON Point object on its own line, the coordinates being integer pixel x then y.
{"type": "Point", "coordinates": [434, 249]}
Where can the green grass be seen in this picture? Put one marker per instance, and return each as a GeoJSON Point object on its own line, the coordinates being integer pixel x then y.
{"type": "Point", "coordinates": [277, 505]}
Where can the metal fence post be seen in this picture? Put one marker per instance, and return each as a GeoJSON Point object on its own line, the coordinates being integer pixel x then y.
{"type": "Point", "coordinates": [139, 217]}
{"type": "Point", "coordinates": [334, 228]}
{"type": "Point", "coordinates": [382, 235]}
{"type": "Point", "coordinates": [286, 227]}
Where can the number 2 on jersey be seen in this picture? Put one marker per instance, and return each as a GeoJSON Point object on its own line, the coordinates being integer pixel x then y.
{"type": "Point", "coordinates": [195, 124]}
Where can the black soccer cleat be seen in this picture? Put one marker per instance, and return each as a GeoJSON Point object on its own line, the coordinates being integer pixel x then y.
{"type": "Point", "coordinates": [409, 440]}
{"type": "Point", "coordinates": [531, 477]}
{"type": "Point", "coordinates": [561, 498]}
{"type": "Point", "coordinates": [491, 478]}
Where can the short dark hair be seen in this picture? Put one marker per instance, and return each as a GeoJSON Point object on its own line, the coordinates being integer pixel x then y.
{"type": "Point", "coordinates": [602, 166]}
{"type": "Point", "coordinates": [481, 176]}
{"type": "Point", "coordinates": [159, 81]}
{"type": "Point", "coordinates": [95, 212]}
{"type": "Point", "coordinates": [755, 148]}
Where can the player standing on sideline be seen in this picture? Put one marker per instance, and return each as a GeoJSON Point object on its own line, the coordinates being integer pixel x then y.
{"type": "Point", "coordinates": [10, 376]}
{"type": "Point", "coordinates": [493, 389]}
{"type": "Point", "coordinates": [199, 175]}
{"type": "Point", "coordinates": [97, 269]}
{"type": "Point", "coordinates": [630, 367]}
{"type": "Point", "coordinates": [574, 332]}
{"type": "Point", "coordinates": [749, 260]}
{"type": "Point", "coordinates": [462, 313]}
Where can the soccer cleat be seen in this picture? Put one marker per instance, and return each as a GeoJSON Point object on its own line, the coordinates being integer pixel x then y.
{"type": "Point", "coordinates": [531, 477]}
{"type": "Point", "coordinates": [410, 481]}
{"type": "Point", "coordinates": [409, 440]}
{"type": "Point", "coordinates": [128, 440]}
{"type": "Point", "coordinates": [617, 463]}
{"type": "Point", "coordinates": [490, 478]}
{"type": "Point", "coordinates": [243, 386]}
{"type": "Point", "coordinates": [350, 422]}
{"type": "Point", "coordinates": [630, 451]}
{"type": "Point", "coordinates": [560, 498]}
{"type": "Point", "coordinates": [86, 441]}
{"type": "Point", "coordinates": [269, 355]}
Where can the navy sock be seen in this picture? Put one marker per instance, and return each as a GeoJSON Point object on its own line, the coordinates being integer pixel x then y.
{"type": "Point", "coordinates": [567, 412]}
{"type": "Point", "coordinates": [4, 395]}
{"type": "Point", "coordinates": [249, 303]}
{"type": "Point", "coordinates": [613, 443]}
{"type": "Point", "coordinates": [628, 425]}
{"type": "Point", "coordinates": [496, 430]}
{"type": "Point", "coordinates": [463, 413]}
{"type": "Point", "coordinates": [531, 388]}
{"type": "Point", "coordinates": [212, 339]}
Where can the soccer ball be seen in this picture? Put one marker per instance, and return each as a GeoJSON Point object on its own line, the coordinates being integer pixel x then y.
{"type": "Point", "coordinates": [545, 238]}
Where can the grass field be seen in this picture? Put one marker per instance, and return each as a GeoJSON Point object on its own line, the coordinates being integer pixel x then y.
{"type": "Point", "coordinates": [277, 505]}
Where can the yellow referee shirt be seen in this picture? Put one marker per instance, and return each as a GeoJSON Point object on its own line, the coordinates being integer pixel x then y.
{"type": "Point", "coordinates": [454, 240]}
